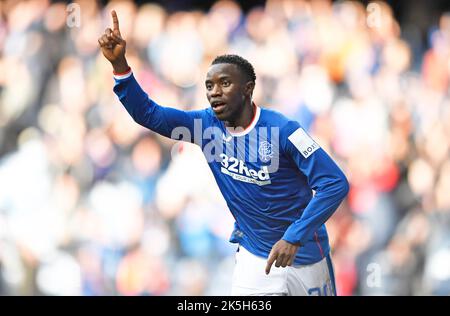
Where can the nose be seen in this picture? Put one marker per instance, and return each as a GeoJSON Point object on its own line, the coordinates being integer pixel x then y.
{"type": "Point", "coordinates": [216, 91]}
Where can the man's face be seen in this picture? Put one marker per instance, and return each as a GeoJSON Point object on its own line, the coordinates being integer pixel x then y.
{"type": "Point", "coordinates": [226, 91]}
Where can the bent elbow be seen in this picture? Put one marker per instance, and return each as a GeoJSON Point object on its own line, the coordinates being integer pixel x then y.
{"type": "Point", "coordinates": [344, 186]}
{"type": "Point", "coordinates": [137, 119]}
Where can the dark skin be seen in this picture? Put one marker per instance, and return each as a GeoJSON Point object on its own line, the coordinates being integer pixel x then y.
{"type": "Point", "coordinates": [227, 86]}
{"type": "Point", "coordinates": [230, 94]}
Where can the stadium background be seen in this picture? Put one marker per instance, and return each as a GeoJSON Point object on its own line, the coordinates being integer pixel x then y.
{"type": "Point", "coordinates": [93, 204]}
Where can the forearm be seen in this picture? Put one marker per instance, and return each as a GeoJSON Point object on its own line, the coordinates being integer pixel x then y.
{"type": "Point", "coordinates": [318, 211]}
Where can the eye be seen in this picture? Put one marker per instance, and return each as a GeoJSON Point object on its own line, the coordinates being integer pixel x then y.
{"type": "Point", "coordinates": [225, 83]}
{"type": "Point", "coordinates": [208, 86]}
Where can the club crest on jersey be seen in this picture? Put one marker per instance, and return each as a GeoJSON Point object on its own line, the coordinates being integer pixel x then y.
{"type": "Point", "coordinates": [265, 151]}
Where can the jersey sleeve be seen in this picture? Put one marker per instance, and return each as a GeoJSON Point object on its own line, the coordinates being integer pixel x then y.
{"type": "Point", "coordinates": [323, 176]}
{"type": "Point", "coordinates": [169, 122]}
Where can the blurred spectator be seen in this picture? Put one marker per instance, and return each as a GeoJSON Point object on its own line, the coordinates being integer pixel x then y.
{"type": "Point", "coordinates": [93, 204]}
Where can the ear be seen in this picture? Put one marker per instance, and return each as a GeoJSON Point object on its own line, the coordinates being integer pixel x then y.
{"type": "Point", "coordinates": [248, 89]}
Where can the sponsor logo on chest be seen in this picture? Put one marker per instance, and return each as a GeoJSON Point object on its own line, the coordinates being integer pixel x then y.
{"type": "Point", "coordinates": [238, 170]}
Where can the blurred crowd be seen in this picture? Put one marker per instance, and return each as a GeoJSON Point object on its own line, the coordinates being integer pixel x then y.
{"type": "Point", "coordinates": [93, 204]}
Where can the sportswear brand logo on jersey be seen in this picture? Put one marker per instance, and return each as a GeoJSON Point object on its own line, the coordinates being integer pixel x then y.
{"type": "Point", "coordinates": [238, 170]}
{"type": "Point", "coordinates": [265, 151]}
{"type": "Point", "coordinates": [260, 145]}
{"type": "Point", "coordinates": [226, 139]}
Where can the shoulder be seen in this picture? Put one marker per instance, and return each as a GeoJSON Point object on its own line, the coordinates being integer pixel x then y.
{"type": "Point", "coordinates": [292, 136]}
{"type": "Point", "coordinates": [205, 114]}
{"type": "Point", "coordinates": [207, 117]}
{"type": "Point", "coordinates": [208, 112]}
{"type": "Point", "coordinates": [274, 118]}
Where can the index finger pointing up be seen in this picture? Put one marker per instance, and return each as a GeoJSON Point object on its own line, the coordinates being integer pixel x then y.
{"type": "Point", "coordinates": [115, 21]}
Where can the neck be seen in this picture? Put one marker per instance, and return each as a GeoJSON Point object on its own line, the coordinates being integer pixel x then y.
{"type": "Point", "coordinates": [245, 117]}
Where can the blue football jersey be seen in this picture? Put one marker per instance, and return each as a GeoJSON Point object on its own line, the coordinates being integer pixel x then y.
{"type": "Point", "coordinates": [267, 172]}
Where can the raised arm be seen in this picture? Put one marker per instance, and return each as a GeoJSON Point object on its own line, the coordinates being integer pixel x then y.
{"type": "Point", "coordinates": [166, 121]}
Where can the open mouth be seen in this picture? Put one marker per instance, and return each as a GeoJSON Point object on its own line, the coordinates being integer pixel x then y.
{"type": "Point", "coordinates": [218, 106]}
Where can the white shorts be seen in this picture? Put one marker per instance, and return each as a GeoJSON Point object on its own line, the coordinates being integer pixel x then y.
{"type": "Point", "coordinates": [249, 277]}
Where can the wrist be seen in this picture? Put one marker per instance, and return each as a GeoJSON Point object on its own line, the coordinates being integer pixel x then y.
{"type": "Point", "coordinates": [120, 67]}
{"type": "Point", "coordinates": [292, 242]}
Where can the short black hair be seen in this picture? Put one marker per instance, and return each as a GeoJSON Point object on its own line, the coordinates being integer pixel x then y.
{"type": "Point", "coordinates": [242, 63]}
